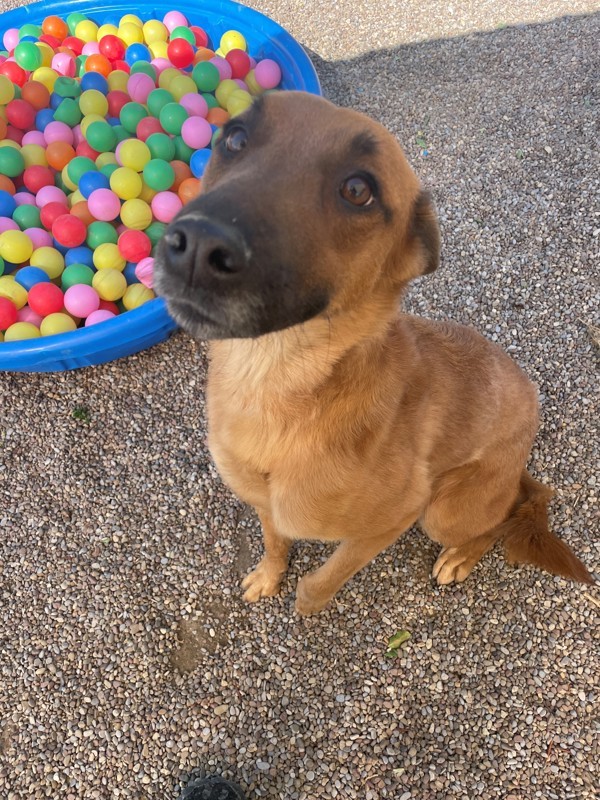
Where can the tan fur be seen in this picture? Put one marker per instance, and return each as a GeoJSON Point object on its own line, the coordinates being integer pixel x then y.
{"type": "Point", "coordinates": [361, 422]}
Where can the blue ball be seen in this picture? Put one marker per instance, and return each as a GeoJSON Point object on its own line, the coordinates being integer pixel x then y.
{"type": "Point", "coordinates": [129, 273]}
{"type": "Point", "coordinates": [137, 52]}
{"type": "Point", "coordinates": [7, 204]}
{"type": "Point", "coordinates": [43, 118]}
{"type": "Point", "coordinates": [92, 180]}
{"type": "Point", "coordinates": [113, 121]}
{"type": "Point", "coordinates": [199, 160]}
{"type": "Point", "coordinates": [79, 255]}
{"type": "Point", "coordinates": [55, 101]}
{"type": "Point", "coordinates": [60, 247]}
{"type": "Point", "coordinates": [93, 80]}
{"type": "Point", "coordinates": [29, 276]}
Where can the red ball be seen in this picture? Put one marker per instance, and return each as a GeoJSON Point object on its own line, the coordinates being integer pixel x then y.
{"type": "Point", "coordinates": [134, 245]}
{"type": "Point", "coordinates": [122, 65]}
{"type": "Point", "coordinates": [51, 212]}
{"type": "Point", "coordinates": [180, 53]}
{"type": "Point", "coordinates": [200, 36]}
{"type": "Point", "coordinates": [146, 127]}
{"type": "Point", "coordinates": [116, 100]}
{"type": "Point", "coordinates": [111, 47]}
{"type": "Point", "coordinates": [13, 72]}
{"type": "Point", "coordinates": [74, 44]}
{"type": "Point", "coordinates": [8, 313]}
{"type": "Point", "coordinates": [35, 177]}
{"type": "Point", "coordinates": [108, 305]}
{"type": "Point", "coordinates": [45, 298]}
{"type": "Point", "coordinates": [239, 61]}
{"type": "Point", "coordinates": [69, 230]}
{"type": "Point", "coordinates": [20, 113]}
{"type": "Point", "coordinates": [50, 40]}
{"type": "Point", "coordinates": [83, 149]}
{"type": "Point", "coordinates": [14, 134]}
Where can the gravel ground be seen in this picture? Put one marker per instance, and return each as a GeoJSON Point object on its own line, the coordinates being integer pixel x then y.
{"type": "Point", "coordinates": [129, 661]}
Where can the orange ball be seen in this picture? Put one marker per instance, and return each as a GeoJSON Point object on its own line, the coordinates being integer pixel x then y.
{"type": "Point", "coordinates": [36, 94]}
{"type": "Point", "coordinates": [55, 26]}
{"type": "Point", "coordinates": [188, 189]}
{"type": "Point", "coordinates": [58, 155]}
{"type": "Point", "coordinates": [82, 211]}
{"type": "Point", "coordinates": [182, 173]}
{"type": "Point", "coordinates": [3, 128]}
{"type": "Point", "coordinates": [98, 63]}
{"type": "Point", "coordinates": [6, 185]}
{"type": "Point", "coordinates": [217, 116]}
{"type": "Point", "coordinates": [203, 54]}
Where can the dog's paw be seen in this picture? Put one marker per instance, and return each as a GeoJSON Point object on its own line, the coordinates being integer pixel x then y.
{"type": "Point", "coordinates": [452, 566]}
{"type": "Point", "coordinates": [264, 581]}
{"type": "Point", "coordinates": [308, 601]}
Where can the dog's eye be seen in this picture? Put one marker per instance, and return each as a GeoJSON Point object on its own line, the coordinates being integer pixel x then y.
{"type": "Point", "coordinates": [356, 190]}
{"type": "Point", "coordinates": [236, 140]}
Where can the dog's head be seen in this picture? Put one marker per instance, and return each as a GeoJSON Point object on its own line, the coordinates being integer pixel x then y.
{"type": "Point", "coordinates": [306, 209]}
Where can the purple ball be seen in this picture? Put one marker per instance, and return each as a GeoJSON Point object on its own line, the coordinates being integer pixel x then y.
{"type": "Point", "coordinates": [39, 237]}
{"type": "Point", "coordinates": [50, 194]}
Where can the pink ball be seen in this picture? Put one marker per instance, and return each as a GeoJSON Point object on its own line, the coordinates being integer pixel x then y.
{"type": "Point", "coordinates": [173, 19]}
{"type": "Point", "coordinates": [194, 104]}
{"type": "Point", "coordinates": [90, 49]}
{"type": "Point", "coordinates": [27, 314]}
{"type": "Point", "coordinates": [11, 39]}
{"type": "Point", "coordinates": [165, 205]}
{"type": "Point", "coordinates": [267, 73]}
{"type": "Point", "coordinates": [196, 132]}
{"type": "Point", "coordinates": [39, 237]}
{"type": "Point", "coordinates": [64, 64]}
{"type": "Point", "coordinates": [242, 84]}
{"type": "Point", "coordinates": [8, 224]}
{"type": "Point", "coordinates": [81, 300]}
{"type": "Point", "coordinates": [104, 205]}
{"type": "Point", "coordinates": [34, 137]}
{"type": "Point", "coordinates": [58, 132]}
{"type": "Point", "coordinates": [78, 136]}
{"type": "Point", "coordinates": [144, 271]}
{"type": "Point", "coordinates": [161, 64]}
{"type": "Point", "coordinates": [139, 87]}
{"type": "Point", "coordinates": [50, 194]}
{"type": "Point", "coordinates": [223, 66]}
{"type": "Point", "coordinates": [99, 316]}
{"type": "Point", "coordinates": [24, 199]}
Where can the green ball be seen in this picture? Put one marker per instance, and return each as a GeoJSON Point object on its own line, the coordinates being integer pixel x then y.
{"type": "Point", "coordinates": [145, 67]}
{"type": "Point", "coordinates": [157, 99]}
{"type": "Point", "coordinates": [58, 181]}
{"type": "Point", "coordinates": [1, 266]}
{"type": "Point", "coordinates": [80, 65]}
{"type": "Point", "coordinates": [131, 114]}
{"type": "Point", "coordinates": [161, 146]}
{"type": "Point", "coordinates": [211, 100]}
{"type": "Point", "coordinates": [29, 29]}
{"type": "Point", "coordinates": [108, 169]}
{"type": "Point", "coordinates": [155, 232]}
{"type": "Point", "coordinates": [76, 273]}
{"type": "Point", "coordinates": [73, 20]}
{"type": "Point", "coordinates": [182, 151]}
{"type": "Point", "coordinates": [215, 137]}
{"type": "Point", "coordinates": [77, 166]}
{"type": "Point", "coordinates": [159, 175]}
{"type": "Point", "coordinates": [17, 92]}
{"type": "Point", "coordinates": [27, 216]}
{"type": "Point", "coordinates": [100, 233]}
{"type": "Point", "coordinates": [67, 87]}
{"type": "Point", "coordinates": [12, 162]}
{"type": "Point", "coordinates": [122, 133]}
{"type": "Point", "coordinates": [206, 76]}
{"type": "Point", "coordinates": [172, 116]}
{"type": "Point", "coordinates": [181, 32]}
{"type": "Point", "coordinates": [101, 136]}
{"type": "Point", "coordinates": [28, 55]}
{"type": "Point", "coordinates": [69, 112]}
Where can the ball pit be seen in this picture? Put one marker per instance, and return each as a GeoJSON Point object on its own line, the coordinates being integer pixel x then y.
{"type": "Point", "coordinates": [99, 149]}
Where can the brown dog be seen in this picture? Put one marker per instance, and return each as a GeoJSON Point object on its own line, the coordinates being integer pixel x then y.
{"type": "Point", "coordinates": [332, 414]}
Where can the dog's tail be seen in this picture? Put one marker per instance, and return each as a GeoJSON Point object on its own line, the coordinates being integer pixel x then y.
{"type": "Point", "coordinates": [528, 540]}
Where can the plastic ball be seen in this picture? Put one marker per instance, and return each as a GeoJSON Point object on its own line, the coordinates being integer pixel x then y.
{"type": "Point", "coordinates": [131, 114]}
{"type": "Point", "coordinates": [165, 206]}
{"type": "Point", "coordinates": [130, 33]}
{"type": "Point", "coordinates": [34, 155]}
{"type": "Point", "coordinates": [112, 47]}
{"type": "Point", "coordinates": [11, 162]}
{"type": "Point", "coordinates": [144, 272]}
{"type": "Point", "coordinates": [8, 313]}
{"type": "Point", "coordinates": [100, 233]}
{"type": "Point", "coordinates": [15, 246]}
{"type": "Point", "coordinates": [239, 61]}
{"type": "Point", "coordinates": [189, 189]}
{"type": "Point", "coordinates": [161, 146]}
{"type": "Point", "coordinates": [36, 94]}
{"type": "Point", "coordinates": [267, 73]}
{"type": "Point", "coordinates": [20, 331]}
{"type": "Point", "coordinates": [81, 300]}
{"type": "Point", "coordinates": [137, 52]}
{"type": "Point", "coordinates": [7, 90]}
{"type": "Point", "coordinates": [57, 323]}
{"type": "Point", "coordinates": [50, 194]}
{"type": "Point", "coordinates": [7, 204]}
{"type": "Point", "coordinates": [136, 214]}
{"type": "Point", "coordinates": [102, 315]}
{"type": "Point", "coordinates": [13, 291]}
{"type": "Point", "coordinates": [28, 56]}
{"type": "Point", "coordinates": [27, 216]}
{"type": "Point", "coordinates": [14, 72]}
{"type": "Point", "coordinates": [69, 230]}
{"type": "Point", "coordinates": [49, 259]}
{"type": "Point", "coordinates": [199, 161]}
{"type": "Point", "coordinates": [104, 205]}
{"type": "Point", "coordinates": [134, 245]}
{"type": "Point", "coordinates": [55, 26]}
{"type": "Point", "coordinates": [29, 276]}
{"type": "Point", "coordinates": [39, 237]}
{"type": "Point", "coordinates": [172, 117]}
{"type": "Point", "coordinates": [196, 132]}
{"type": "Point", "coordinates": [92, 180]}
{"type": "Point", "coordinates": [107, 256]}
{"type": "Point", "coordinates": [155, 31]}
{"type": "Point", "coordinates": [110, 284]}
{"type": "Point", "coordinates": [174, 19]}
{"type": "Point", "coordinates": [45, 299]}
{"type": "Point", "coordinates": [133, 154]}
{"type": "Point", "coordinates": [159, 174]}
{"type": "Point", "coordinates": [76, 274]}
{"type": "Point", "coordinates": [232, 40]}
{"type": "Point", "coordinates": [136, 295]}
{"type": "Point", "coordinates": [194, 104]}
{"type": "Point", "coordinates": [182, 85]}
{"type": "Point", "coordinates": [126, 183]}
{"type": "Point", "coordinates": [206, 76]}
{"type": "Point", "coordinates": [238, 102]}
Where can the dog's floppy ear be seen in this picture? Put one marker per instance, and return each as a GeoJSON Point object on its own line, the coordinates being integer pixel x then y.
{"type": "Point", "coordinates": [424, 234]}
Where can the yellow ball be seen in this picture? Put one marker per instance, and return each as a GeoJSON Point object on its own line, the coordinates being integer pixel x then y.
{"type": "Point", "coordinates": [155, 31]}
{"type": "Point", "coordinates": [34, 155]}
{"type": "Point", "coordinates": [180, 85]}
{"type": "Point", "coordinates": [57, 323]}
{"type": "Point", "coordinates": [126, 183]}
{"type": "Point", "coordinates": [166, 76]}
{"type": "Point", "coordinates": [224, 90]}
{"type": "Point", "coordinates": [107, 256]}
{"type": "Point", "coordinates": [86, 30]}
{"type": "Point", "coordinates": [93, 102]}
{"type": "Point", "coordinates": [104, 159]}
{"type": "Point", "coordinates": [136, 214]}
{"type": "Point", "coordinates": [50, 260]}
{"type": "Point", "coordinates": [66, 180]}
{"type": "Point", "coordinates": [47, 53]}
{"type": "Point", "coordinates": [10, 143]}
{"type": "Point", "coordinates": [238, 102]}
{"type": "Point", "coordinates": [147, 193]}
{"type": "Point", "coordinates": [13, 291]}
{"type": "Point", "coordinates": [7, 90]}
{"type": "Point", "coordinates": [158, 49]}
{"type": "Point", "coordinates": [130, 33]}
{"type": "Point", "coordinates": [110, 284]}
{"type": "Point", "coordinates": [15, 246]}
{"type": "Point", "coordinates": [107, 30]}
{"type": "Point", "coordinates": [75, 197]}
{"type": "Point", "coordinates": [232, 40]}
{"type": "Point", "coordinates": [21, 330]}
{"type": "Point", "coordinates": [136, 295]}
{"type": "Point", "coordinates": [117, 80]}
{"type": "Point", "coordinates": [134, 154]}
{"type": "Point", "coordinates": [253, 86]}
{"type": "Point", "coordinates": [45, 75]}
{"type": "Point", "coordinates": [132, 19]}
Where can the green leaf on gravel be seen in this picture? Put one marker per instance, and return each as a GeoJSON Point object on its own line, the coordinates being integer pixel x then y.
{"type": "Point", "coordinates": [395, 642]}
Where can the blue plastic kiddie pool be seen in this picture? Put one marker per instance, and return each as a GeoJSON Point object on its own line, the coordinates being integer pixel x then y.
{"type": "Point", "coordinates": [149, 324]}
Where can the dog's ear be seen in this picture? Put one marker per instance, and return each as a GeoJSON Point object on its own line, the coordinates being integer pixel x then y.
{"type": "Point", "coordinates": [424, 234]}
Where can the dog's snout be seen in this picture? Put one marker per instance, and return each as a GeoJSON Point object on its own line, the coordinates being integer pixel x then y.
{"type": "Point", "coordinates": [201, 249]}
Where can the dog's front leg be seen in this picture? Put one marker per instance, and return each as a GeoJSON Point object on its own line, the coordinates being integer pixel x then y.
{"type": "Point", "coordinates": [265, 579]}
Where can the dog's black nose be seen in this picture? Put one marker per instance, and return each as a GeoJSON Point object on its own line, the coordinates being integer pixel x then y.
{"type": "Point", "coordinates": [201, 249]}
